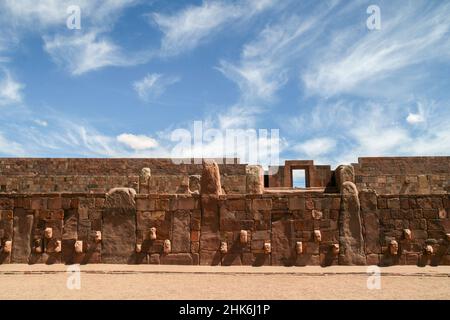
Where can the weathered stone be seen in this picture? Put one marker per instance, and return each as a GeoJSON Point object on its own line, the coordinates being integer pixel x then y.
{"type": "Point", "coordinates": [209, 241]}
{"type": "Point", "coordinates": [119, 234]}
{"type": "Point", "coordinates": [23, 226]}
{"type": "Point", "coordinates": [317, 214]}
{"type": "Point", "coordinates": [194, 184]}
{"type": "Point", "coordinates": [350, 228]}
{"type": "Point", "coordinates": [282, 246]}
{"type": "Point", "coordinates": [296, 203]}
{"type": "Point", "coordinates": [344, 173]}
{"type": "Point", "coordinates": [181, 232]}
{"type": "Point", "coordinates": [210, 180]}
{"type": "Point", "coordinates": [176, 258]}
{"type": "Point", "coordinates": [262, 204]}
{"type": "Point", "coordinates": [121, 199]}
{"type": "Point", "coordinates": [254, 179]}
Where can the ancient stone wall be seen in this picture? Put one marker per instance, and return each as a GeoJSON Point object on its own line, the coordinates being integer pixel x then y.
{"type": "Point", "coordinates": [307, 228]}
{"type": "Point", "coordinates": [414, 222]}
{"type": "Point", "coordinates": [403, 175]}
{"type": "Point", "coordinates": [99, 175]}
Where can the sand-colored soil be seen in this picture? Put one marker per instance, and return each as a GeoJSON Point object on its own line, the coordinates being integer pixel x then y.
{"type": "Point", "coordinates": [178, 282]}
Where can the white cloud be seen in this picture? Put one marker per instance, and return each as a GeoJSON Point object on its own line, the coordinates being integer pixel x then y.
{"type": "Point", "coordinates": [43, 14]}
{"type": "Point", "coordinates": [420, 116]}
{"type": "Point", "coordinates": [316, 146]}
{"type": "Point", "coordinates": [356, 62]}
{"type": "Point", "coordinates": [137, 142]}
{"type": "Point", "coordinates": [414, 118]}
{"type": "Point", "coordinates": [153, 85]}
{"type": "Point", "coordinates": [266, 61]}
{"type": "Point", "coordinates": [91, 51]}
{"type": "Point", "coordinates": [10, 90]}
{"type": "Point", "coordinates": [80, 52]}
{"type": "Point", "coordinates": [342, 131]}
{"type": "Point", "coordinates": [186, 29]}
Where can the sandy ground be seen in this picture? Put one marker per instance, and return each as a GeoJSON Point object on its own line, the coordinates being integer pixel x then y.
{"type": "Point", "coordinates": [181, 282]}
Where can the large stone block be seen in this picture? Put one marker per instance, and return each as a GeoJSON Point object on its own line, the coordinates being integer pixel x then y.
{"type": "Point", "coordinates": [176, 258]}
{"type": "Point", "coordinates": [119, 235]}
{"type": "Point", "coordinates": [210, 180]}
{"type": "Point", "coordinates": [23, 226]}
{"type": "Point", "coordinates": [282, 242]}
{"type": "Point", "coordinates": [181, 231]}
{"type": "Point", "coordinates": [350, 227]}
{"type": "Point", "coordinates": [254, 179]}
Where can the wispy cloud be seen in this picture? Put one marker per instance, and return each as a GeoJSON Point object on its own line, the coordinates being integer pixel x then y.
{"type": "Point", "coordinates": [350, 130]}
{"type": "Point", "coordinates": [81, 51]}
{"type": "Point", "coordinates": [10, 90]}
{"type": "Point", "coordinates": [316, 147]}
{"type": "Point", "coordinates": [10, 148]}
{"type": "Point", "coordinates": [153, 85]}
{"type": "Point", "coordinates": [43, 14]}
{"type": "Point", "coordinates": [191, 26]}
{"type": "Point", "coordinates": [359, 61]}
{"type": "Point", "coordinates": [88, 52]}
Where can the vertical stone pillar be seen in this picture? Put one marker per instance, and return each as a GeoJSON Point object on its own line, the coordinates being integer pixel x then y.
{"type": "Point", "coordinates": [210, 180]}
{"type": "Point", "coordinates": [369, 211]}
{"type": "Point", "coordinates": [254, 179]}
{"type": "Point", "coordinates": [210, 191]}
{"type": "Point", "coordinates": [119, 226]}
{"type": "Point", "coordinates": [350, 227]}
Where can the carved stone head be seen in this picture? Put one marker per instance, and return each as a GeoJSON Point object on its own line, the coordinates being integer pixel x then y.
{"type": "Point", "coordinates": [146, 173]}
{"type": "Point", "coordinates": [194, 184]}
{"type": "Point", "coordinates": [317, 214]}
{"type": "Point", "coordinates": [267, 247]}
{"type": "Point", "coordinates": [138, 247]}
{"type": "Point", "coordinates": [317, 235]}
{"type": "Point", "coordinates": [407, 234]}
{"type": "Point", "coordinates": [79, 246]}
{"type": "Point", "coordinates": [37, 245]}
{"type": "Point", "coordinates": [48, 233]}
{"type": "Point", "coordinates": [7, 248]}
{"type": "Point", "coordinates": [299, 247]}
{"type": "Point", "coordinates": [152, 233]}
{"type": "Point", "coordinates": [167, 246]}
{"type": "Point", "coordinates": [429, 249]}
{"type": "Point", "coordinates": [98, 236]}
{"type": "Point", "coordinates": [243, 237]}
{"type": "Point", "coordinates": [58, 246]}
{"type": "Point", "coordinates": [335, 249]}
{"type": "Point", "coordinates": [223, 247]}
{"type": "Point", "coordinates": [393, 247]}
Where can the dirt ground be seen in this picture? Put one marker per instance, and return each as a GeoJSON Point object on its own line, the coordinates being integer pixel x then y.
{"type": "Point", "coordinates": [181, 282]}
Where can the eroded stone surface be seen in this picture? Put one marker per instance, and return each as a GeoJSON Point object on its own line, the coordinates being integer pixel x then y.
{"type": "Point", "coordinates": [350, 227]}
{"type": "Point", "coordinates": [210, 180]}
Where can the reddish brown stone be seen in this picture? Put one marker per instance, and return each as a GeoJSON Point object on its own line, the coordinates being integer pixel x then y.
{"type": "Point", "coordinates": [210, 180]}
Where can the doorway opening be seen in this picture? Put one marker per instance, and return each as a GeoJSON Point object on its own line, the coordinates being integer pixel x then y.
{"type": "Point", "coordinates": [298, 178]}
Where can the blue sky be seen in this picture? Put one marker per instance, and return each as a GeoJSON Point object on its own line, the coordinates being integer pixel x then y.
{"type": "Point", "coordinates": [138, 70]}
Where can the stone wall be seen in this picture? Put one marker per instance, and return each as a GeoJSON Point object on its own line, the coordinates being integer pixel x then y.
{"type": "Point", "coordinates": [198, 226]}
{"type": "Point", "coordinates": [403, 175]}
{"type": "Point", "coordinates": [413, 221]}
{"type": "Point", "coordinates": [99, 175]}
